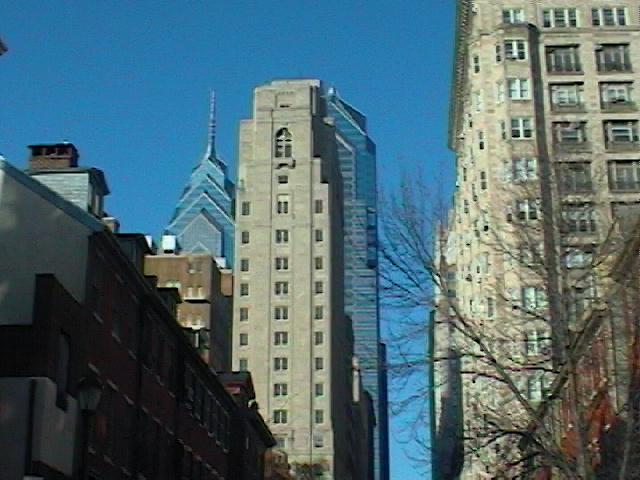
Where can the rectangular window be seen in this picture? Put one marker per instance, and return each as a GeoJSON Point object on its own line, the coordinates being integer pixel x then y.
{"type": "Point", "coordinates": [319, 235]}
{"type": "Point", "coordinates": [318, 263]}
{"type": "Point", "coordinates": [624, 175]}
{"type": "Point", "coordinates": [625, 215]}
{"type": "Point", "coordinates": [244, 289]}
{"type": "Point", "coordinates": [499, 92]}
{"type": "Point", "coordinates": [282, 236]}
{"type": "Point", "coordinates": [613, 58]}
{"type": "Point", "coordinates": [519, 88]}
{"type": "Point", "coordinates": [563, 59]}
{"type": "Point", "coordinates": [281, 313]}
{"type": "Point", "coordinates": [513, 15]}
{"type": "Point", "coordinates": [578, 258]}
{"type": "Point", "coordinates": [478, 101]}
{"type": "Point", "coordinates": [613, 94]}
{"type": "Point", "coordinates": [318, 206]}
{"type": "Point", "coordinates": [243, 364]}
{"type": "Point", "coordinates": [559, 17]}
{"type": "Point", "coordinates": [498, 53]}
{"type": "Point", "coordinates": [280, 390]}
{"type": "Point", "coordinates": [609, 16]}
{"type": "Point", "coordinates": [283, 179]}
{"type": "Point", "coordinates": [318, 389]}
{"type": "Point", "coordinates": [244, 237]}
{"type": "Point", "coordinates": [244, 339]}
{"type": "Point", "coordinates": [620, 133]}
{"type": "Point", "coordinates": [282, 263]}
{"type": "Point", "coordinates": [280, 364]}
{"type": "Point", "coordinates": [569, 133]}
{"type": "Point", "coordinates": [527, 210]}
{"type": "Point", "coordinates": [476, 64]}
{"type": "Point", "coordinates": [281, 288]}
{"type": "Point", "coordinates": [246, 208]}
{"type": "Point", "coordinates": [567, 95]}
{"type": "Point", "coordinates": [490, 307]}
{"type": "Point", "coordinates": [515, 49]}
{"type": "Point", "coordinates": [282, 204]}
{"type": "Point", "coordinates": [533, 298]}
{"type": "Point", "coordinates": [575, 177]}
{"type": "Point", "coordinates": [318, 312]}
{"type": "Point", "coordinates": [480, 140]}
{"type": "Point", "coordinates": [244, 314]}
{"type": "Point", "coordinates": [318, 416]}
{"type": "Point", "coordinates": [579, 218]}
{"type": "Point", "coordinates": [318, 338]}
{"type": "Point", "coordinates": [318, 287]}
{"type": "Point", "coordinates": [318, 363]}
{"type": "Point", "coordinates": [280, 417]}
{"type": "Point", "coordinates": [244, 265]}
{"type": "Point", "coordinates": [318, 440]}
{"type": "Point", "coordinates": [521, 128]}
{"type": "Point", "coordinates": [281, 338]}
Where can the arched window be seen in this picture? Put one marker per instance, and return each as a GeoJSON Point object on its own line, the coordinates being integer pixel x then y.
{"type": "Point", "coordinates": [284, 143]}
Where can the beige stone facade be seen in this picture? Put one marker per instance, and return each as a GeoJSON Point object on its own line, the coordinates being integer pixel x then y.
{"type": "Point", "coordinates": [544, 125]}
{"type": "Point", "coordinates": [289, 326]}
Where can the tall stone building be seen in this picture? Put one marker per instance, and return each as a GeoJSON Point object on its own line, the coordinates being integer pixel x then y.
{"type": "Point", "coordinates": [290, 329]}
{"type": "Point", "coordinates": [357, 160]}
{"type": "Point", "coordinates": [544, 126]}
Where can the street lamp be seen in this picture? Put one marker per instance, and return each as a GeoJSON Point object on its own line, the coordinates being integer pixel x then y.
{"type": "Point", "coordinates": [88, 396]}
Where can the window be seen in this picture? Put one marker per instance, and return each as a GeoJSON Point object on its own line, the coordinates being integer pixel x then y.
{"type": "Point", "coordinates": [521, 128]}
{"type": "Point", "coordinates": [318, 287]}
{"type": "Point", "coordinates": [512, 15]}
{"type": "Point", "coordinates": [620, 132]}
{"type": "Point", "coordinates": [515, 49]}
{"type": "Point", "coordinates": [476, 64]}
{"type": "Point", "coordinates": [244, 237]}
{"type": "Point", "coordinates": [613, 58]}
{"type": "Point", "coordinates": [624, 175]}
{"type": "Point", "coordinates": [318, 416]}
{"type": "Point", "coordinates": [575, 177]}
{"type": "Point", "coordinates": [282, 263]}
{"type": "Point", "coordinates": [563, 59]}
{"type": "Point", "coordinates": [283, 179]}
{"type": "Point", "coordinates": [284, 142]}
{"type": "Point", "coordinates": [62, 370]}
{"type": "Point", "coordinates": [527, 210]}
{"type": "Point", "coordinates": [282, 288]}
{"type": "Point", "coordinates": [533, 298]}
{"type": "Point", "coordinates": [318, 389]}
{"type": "Point", "coordinates": [318, 440]}
{"type": "Point", "coordinates": [280, 416]}
{"type": "Point", "coordinates": [502, 126]}
{"type": "Point", "coordinates": [244, 265]}
{"type": "Point", "coordinates": [244, 314]}
{"type": "Point", "coordinates": [559, 17]}
{"type": "Point", "coordinates": [579, 218]}
{"type": "Point", "coordinates": [498, 53]}
{"type": "Point", "coordinates": [491, 309]}
{"type": "Point", "coordinates": [280, 364]}
{"type": "Point", "coordinates": [616, 93]}
{"type": "Point", "coordinates": [281, 313]}
{"type": "Point", "coordinates": [318, 363]}
{"type": "Point", "coordinates": [519, 88]}
{"type": "Point", "coordinates": [483, 180]}
{"type": "Point", "coordinates": [319, 234]}
{"type": "Point", "coordinates": [537, 386]}
{"type": "Point", "coordinates": [281, 338]}
{"type": "Point", "coordinates": [280, 389]}
{"type": "Point", "coordinates": [569, 133]}
{"type": "Point", "coordinates": [499, 92]}
{"type": "Point", "coordinates": [567, 95]}
{"type": "Point", "coordinates": [244, 339]}
{"type": "Point", "coordinates": [578, 258]}
{"type": "Point", "coordinates": [318, 262]}
{"type": "Point", "coordinates": [243, 364]}
{"type": "Point", "coordinates": [318, 312]}
{"type": "Point", "coordinates": [481, 140]}
{"type": "Point", "coordinates": [608, 16]}
{"type": "Point", "coordinates": [318, 338]}
{"type": "Point", "coordinates": [525, 169]}
{"type": "Point", "coordinates": [625, 215]}
{"type": "Point", "coordinates": [244, 289]}
{"type": "Point", "coordinates": [478, 101]}
{"type": "Point", "coordinates": [317, 206]}
{"type": "Point", "coordinates": [282, 205]}
{"type": "Point", "coordinates": [246, 208]}
{"type": "Point", "coordinates": [282, 236]}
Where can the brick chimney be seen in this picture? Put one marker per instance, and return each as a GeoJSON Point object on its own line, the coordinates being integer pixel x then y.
{"type": "Point", "coordinates": [54, 156]}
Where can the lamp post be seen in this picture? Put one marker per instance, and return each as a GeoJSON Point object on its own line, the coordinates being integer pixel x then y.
{"type": "Point", "coordinates": [89, 393]}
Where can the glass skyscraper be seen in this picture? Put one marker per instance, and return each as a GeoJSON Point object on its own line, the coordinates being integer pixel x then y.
{"type": "Point", "coordinates": [357, 158]}
{"type": "Point", "coordinates": [203, 218]}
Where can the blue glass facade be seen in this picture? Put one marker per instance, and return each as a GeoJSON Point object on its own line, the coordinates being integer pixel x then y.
{"type": "Point", "coordinates": [203, 218]}
{"type": "Point", "coordinates": [357, 157]}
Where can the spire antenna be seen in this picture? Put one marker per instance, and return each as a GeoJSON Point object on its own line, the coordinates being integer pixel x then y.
{"type": "Point", "coordinates": [211, 145]}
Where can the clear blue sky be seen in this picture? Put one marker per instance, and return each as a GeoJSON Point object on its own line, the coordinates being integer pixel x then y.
{"type": "Point", "coordinates": [128, 82]}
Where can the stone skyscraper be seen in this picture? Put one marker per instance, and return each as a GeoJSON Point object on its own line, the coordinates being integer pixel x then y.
{"type": "Point", "coordinates": [544, 125]}
{"type": "Point", "coordinates": [290, 329]}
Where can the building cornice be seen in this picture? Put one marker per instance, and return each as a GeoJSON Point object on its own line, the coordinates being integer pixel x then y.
{"type": "Point", "coordinates": [464, 10]}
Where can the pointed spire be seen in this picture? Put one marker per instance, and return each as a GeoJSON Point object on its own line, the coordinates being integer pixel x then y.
{"type": "Point", "coordinates": [211, 145]}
